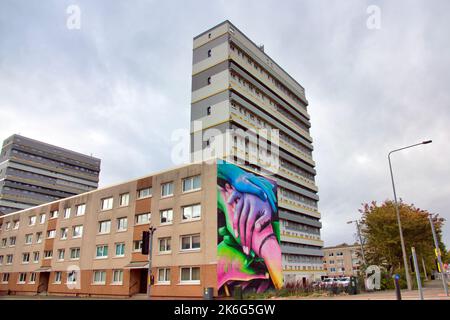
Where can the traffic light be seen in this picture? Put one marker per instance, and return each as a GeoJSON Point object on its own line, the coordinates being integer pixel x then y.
{"type": "Point", "coordinates": [145, 242]}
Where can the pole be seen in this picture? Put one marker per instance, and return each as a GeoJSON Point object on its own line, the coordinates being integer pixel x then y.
{"type": "Point", "coordinates": [424, 269]}
{"type": "Point", "coordinates": [360, 242]}
{"type": "Point", "coordinates": [150, 247]}
{"type": "Point", "coordinates": [398, 293]}
{"type": "Point", "coordinates": [438, 253]}
{"type": "Point", "coordinates": [416, 270]}
{"type": "Point", "coordinates": [405, 259]}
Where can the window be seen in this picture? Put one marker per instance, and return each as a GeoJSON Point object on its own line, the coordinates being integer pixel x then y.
{"type": "Point", "coordinates": [4, 240]}
{"type": "Point", "coordinates": [191, 212]}
{"type": "Point", "coordinates": [77, 231]}
{"type": "Point", "coordinates": [29, 238]}
{"type": "Point", "coordinates": [144, 193]}
{"type": "Point", "coordinates": [75, 253]}
{"type": "Point", "coordinates": [72, 276]}
{"type": "Point", "coordinates": [38, 237]}
{"type": "Point", "coordinates": [101, 251]}
{"type": "Point", "coordinates": [143, 218]}
{"type": "Point", "coordinates": [164, 245]}
{"type": "Point", "coordinates": [124, 199]}
{"type": "Point", "coordinates": [191, 242]}
{"type": "Point", "coordinates": [208, 111]}
{"type": "Point", "coordinates": [166, 216]}
{"type": "Point", "coordinates": [32, 220]}
{"type": "Point", "coordinates": [48, 254]}
{"type": "Point", "coordinates": [12, 241]}
{"type": "Point", "coordinates": [117, 277]}
{"type": "Point", "coordinates": [120, 249]}
{"type": "Point", "coordinates": [36, 255]}
{"type": "Point", "coordinates": [1, 260]}
{"type": "Point", "coordinates": [99, 277]}
{"type": "Point", "coordinates": [9, 259]}
{"type": "Point", "coordinates": [32, 277]}
{"type": "Point", "coordinates": [122, 224]}
{"type": "Point", "coordinates": [51, 234]}
{"type": "Point", "coordinates": [81, 209]}
{"type": "Point", "coordinates": [22, 278]}
{"type": "Point", "coordinates": [190, 274]}
{"type": "Point", "coordinates": [16, 224]}
{"type": "Point", "coordinates": [54, 214]}
{"type": "Point", "coordinates": [61, 254]}
{"type": "Point", "coordinates": [209, 53]}
{"type": "Point", "coordinates": [5, 278]}
{"type": "Point", "coordinates": [42, 218]}
{"type": "Point", "coordinates": [25, 257]}
{"type": "Point", "coordinates": [8, 225]}
{"type": "Point", "coordinates": [64, 233]}
{"type": "Point", "coordinates": [104, 226]}
{"type": "Point", "coordinates": [167, 189]}
{"type": "Point", "coordinates": [164, 275]}
{"type": "Point", "coordinates": [58, 277]}
{"type": "Point", "coordinates": [191, 183]}
{"type": "Point", "coordinates": [66, 213]}
{"type": "Point", "coordinates": [107, 203]}
{"type": "Point", "coordinates": [137, 245]}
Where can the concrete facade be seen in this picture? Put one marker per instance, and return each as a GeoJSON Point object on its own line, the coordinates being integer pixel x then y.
{"type": "Point", "coordinates": [342, 260]}
{"type": "Point", "coordinates": [33, 173]}
{"type": "Point", "coordinates": [237, 86]}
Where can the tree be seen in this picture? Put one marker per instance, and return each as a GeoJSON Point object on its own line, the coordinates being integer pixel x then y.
{"type": "Point", "coordinates": [379, 227]}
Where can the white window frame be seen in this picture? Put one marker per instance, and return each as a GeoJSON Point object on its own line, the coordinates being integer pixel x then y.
{"type": "Point", "coordinates": [101, 224]}
{"type": "Point", "coordinates": [29, 238]}
{"type": "Point", "coordinates": [27, 260]}
{"type": "Point", "coordinates": [5, 277]}
{"type": "Point", "coordinates": [75, 249]}
{"type": "Point", "coordinates": [80, 227]}
{"type": "Point", "coordinates": [124, 225]}
{"type": "Point", "coordinates": [30, 220]}
{"type": "Point", "coordinates": [191, 207]}
{"type": "Point", "coordinates": [72, 277]}
{"type": "Point", "coordinates": [113, 280]}
{"type": "Point", "coordinates": [80, 210]}
{"type": "Point", "coordinates": [48, 257]}
{"type": "Point", "coordinates": [171, 186]}
{"type": "Point", "coordinates": [51, 234]}
{"type": "Point", "coordinates": [64, 233]}
{"type": "Point", "coordinates": [140, 246]}
{"type": "Point", "coordinates": [122, 197]}
{"type": "Point", "coordinates": [140, 192]}
{"type": "Point", "coordinates": [191, 179]}
{"type": "Point", "coordinates": [106, 203]}
{"type": "Point", "coordinates": [167, 243]}
{"type": "Point", "coordinates": [103, 256]}
{"type": "Point", "coordinates": [38, 237]}
{"type": "Point", "coordinates": [20, 280]}
{"type": "Point", "coordinates": [36, 256]}
{"type": "Point", "coordinates": [137, 218]}
{"type": "Point", "coordinates": [42, 217]}
{"type": "Point", "coordinates": [58, 277]}
{"type": "Point", "coordinates": [53, 214]}
{"type": "Point", "coordinates": [191, 237]}
{"type": "Point", "coordinates": [161, 216]}
{"type": "Point", "coordinates": [32, 278]}
{"type": "Point", "coordinates": [115, 249]}
{"type": "Point", "coordinates": [190, 276]}
{"type": "Point", "coordinates": [66, 213]}
{"type": "Point", "coordinates": [63, 251]}
{"type": "Point", "coordinates": [102, 280]}
{"type": "Point", "coordinates": [166, 276]}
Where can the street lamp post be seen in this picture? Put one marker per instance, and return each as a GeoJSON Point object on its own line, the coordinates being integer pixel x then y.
{"type": "Point", "coordinates": [150, 249]}
{"type": "Point", "coordinates": [438, 254]}
{"type": "Point", "coordinates": [360, 239]}
{"type": "Point", "coordinates": [405, 259]}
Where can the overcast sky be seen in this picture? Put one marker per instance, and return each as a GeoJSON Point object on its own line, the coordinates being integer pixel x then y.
{"type": "Point", "coordinates": [120, 85]}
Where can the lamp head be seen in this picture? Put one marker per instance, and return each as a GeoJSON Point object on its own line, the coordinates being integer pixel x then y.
{"type": "Point", "coordinates": [427, 142]}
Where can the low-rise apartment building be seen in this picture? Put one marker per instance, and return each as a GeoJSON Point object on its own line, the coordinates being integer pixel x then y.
{"type": "Point", "coordinates": [90, 244]}
{"type": "Point", "coordinates": [342, 260]}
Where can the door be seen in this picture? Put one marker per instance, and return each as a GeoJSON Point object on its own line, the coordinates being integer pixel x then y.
{"type": "Point", "coordinates": [143, 281]}
{"type": "Point", "coordinates": [43, 282]}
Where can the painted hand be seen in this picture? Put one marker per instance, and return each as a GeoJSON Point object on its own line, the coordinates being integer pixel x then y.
{"type": "Point", "coordinates": [251, 215]}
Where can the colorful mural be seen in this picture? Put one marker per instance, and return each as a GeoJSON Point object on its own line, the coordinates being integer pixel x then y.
{"type": "Point", "coordinates": [249, 252]}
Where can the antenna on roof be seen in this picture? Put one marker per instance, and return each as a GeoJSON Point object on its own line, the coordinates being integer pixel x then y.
{"type": "Point", "coordinates": [261, 47]}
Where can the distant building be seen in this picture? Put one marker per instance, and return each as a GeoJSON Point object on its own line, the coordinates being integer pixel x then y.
{"type": "Point", "coordinates": [33, 173]}
{"type": "Point", "coordinates": [342, 260]}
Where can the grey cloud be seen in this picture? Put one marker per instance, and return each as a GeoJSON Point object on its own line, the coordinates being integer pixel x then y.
{"type": "Point", "coordinates": [120, 86]}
